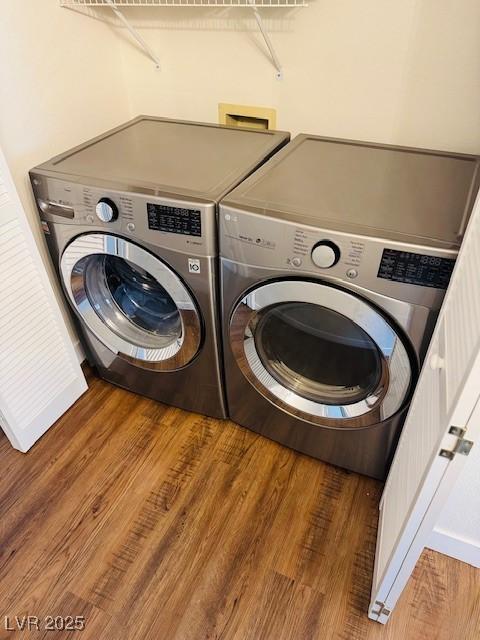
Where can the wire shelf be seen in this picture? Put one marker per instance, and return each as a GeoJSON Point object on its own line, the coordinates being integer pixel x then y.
{"type": "Point", "coordinates": [184, 3]}
{"type": "Point", "coordinates": [117, 5]}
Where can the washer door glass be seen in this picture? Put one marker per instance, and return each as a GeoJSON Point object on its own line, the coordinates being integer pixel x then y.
{"type": "Point", "coordinates": [321, 353]}
{"type": "Point", "coordinates": [131, 301]}
{"type": "Point", "coordinates": [305, 347]}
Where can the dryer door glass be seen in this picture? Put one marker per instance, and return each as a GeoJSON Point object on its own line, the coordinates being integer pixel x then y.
{"type": "Point", "coordinates": [305, 347]}
{"type": "Point", "coordinates": [131, 301]}
{"type": "Point", "coordinates": [322, 353]}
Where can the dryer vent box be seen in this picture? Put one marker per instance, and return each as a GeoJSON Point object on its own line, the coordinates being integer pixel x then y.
{"type": "Point", "coordinates": [244, 116]}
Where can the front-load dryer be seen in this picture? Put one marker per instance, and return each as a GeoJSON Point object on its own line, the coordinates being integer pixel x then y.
{"type": "Point", "coordinates": [130, 221]}
{"type": "Point", "coordinates": [335, 257]}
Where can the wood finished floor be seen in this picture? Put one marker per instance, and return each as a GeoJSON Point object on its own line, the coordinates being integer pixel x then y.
{"type": "Point", "coordinates": [158, 524]}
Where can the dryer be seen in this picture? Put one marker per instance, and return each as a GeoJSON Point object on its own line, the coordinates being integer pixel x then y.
{"type": "Point", "coordinates": [335, 257]}
{"type": "Point", "coordinates": [130, 222]}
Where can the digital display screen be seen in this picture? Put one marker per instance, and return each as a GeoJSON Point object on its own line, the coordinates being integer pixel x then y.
{"type": "Point", "coordinates": [187, 222]}
{"type": "Point", "coordinates": [416, 268]}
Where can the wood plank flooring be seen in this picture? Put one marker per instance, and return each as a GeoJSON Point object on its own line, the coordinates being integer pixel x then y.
{"type": "Point", "coordinates": [157, 524]}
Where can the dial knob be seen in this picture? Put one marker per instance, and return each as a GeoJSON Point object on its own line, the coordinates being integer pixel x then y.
{"type": "Point", "coordinates": [325, 254]}
{"type": "Point", "coordinates": [106, 210]}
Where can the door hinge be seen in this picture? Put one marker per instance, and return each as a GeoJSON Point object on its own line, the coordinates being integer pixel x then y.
{"type": "Point", "coordinates": [462, 446]}
{"type": "Point", "coordinates": [381, 610]}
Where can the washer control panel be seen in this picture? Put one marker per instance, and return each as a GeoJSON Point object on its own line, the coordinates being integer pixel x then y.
{"type": "Point", "coordinates": [177, 224]}
{"type": "Point", "coordinates": [174, 219]}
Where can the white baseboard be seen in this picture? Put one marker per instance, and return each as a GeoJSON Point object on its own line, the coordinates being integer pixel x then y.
{"type": "Point", "coordinates": [461, 549]}
{"type": "Point", "coordinates": [79, 351]}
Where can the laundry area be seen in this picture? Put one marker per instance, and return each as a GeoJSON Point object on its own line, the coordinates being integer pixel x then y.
{"type": "Point", "coordinates": [240, 349]}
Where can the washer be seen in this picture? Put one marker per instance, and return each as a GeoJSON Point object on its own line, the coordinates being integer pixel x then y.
{"type": "Point", "coordinates": [335, 257]}
{"type": "Point", "coordinates": [130, 221]}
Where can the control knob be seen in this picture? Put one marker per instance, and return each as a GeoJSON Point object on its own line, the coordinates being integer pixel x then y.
{"type": "Point", "coordinates": [106, 210]}
{"type": "Point", "coordinates": [325, 254]}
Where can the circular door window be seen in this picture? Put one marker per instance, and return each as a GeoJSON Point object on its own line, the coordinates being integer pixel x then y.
{"type": "Point", "coordinates": [131, 301]}
{"type": "Point", "coordinates": [305, 347]}
{"type": "Point", "coordinates": [321, 352]}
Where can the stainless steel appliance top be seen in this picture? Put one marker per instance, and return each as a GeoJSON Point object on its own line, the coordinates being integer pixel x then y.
{"type": "Point", "coordinates": [157, 155]}
{"type": "Point", "coordinates": [397, 193]}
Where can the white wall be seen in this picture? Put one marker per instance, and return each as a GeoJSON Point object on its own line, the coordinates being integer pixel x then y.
{"type": "Point", "coordinates": [402, 72]}
{"type": "Point", "coordinates": [61, 83]}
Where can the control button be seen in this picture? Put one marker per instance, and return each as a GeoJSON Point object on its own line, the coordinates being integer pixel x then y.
{"type": "Point", "coordinates": [325, 254]}
{"type": "Point", "coordinates": [130, 227]}
{"type": "Point", "coordinates": [296, 262]}
{"type": "Point", "coordinates": [106, 210]}
{"type": "Point", "coordinates": [90, 219]}
{"type": "Point", "coordinates": [352, 273]}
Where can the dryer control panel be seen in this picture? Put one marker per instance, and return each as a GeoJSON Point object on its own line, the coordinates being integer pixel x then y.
{"type": "Point", "coordinates": [416, 268]}
{"type": "Point", "coordinates": [412, 273]}
{"type": "Point", "coordinates": [180, 225]}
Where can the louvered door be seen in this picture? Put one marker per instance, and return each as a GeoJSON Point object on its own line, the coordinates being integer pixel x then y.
{"type": "Point", "coordinates": [424, 469]}
{"type": "Point", "coordinates": [40, 377]}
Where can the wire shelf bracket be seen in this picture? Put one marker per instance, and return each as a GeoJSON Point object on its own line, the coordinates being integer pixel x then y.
{"type": "Point", "coordinates": [150, 53]}
{"type": "Point", "coordinates": [116, 5]}
{"type": "Point", "coordinates": [268, 42]}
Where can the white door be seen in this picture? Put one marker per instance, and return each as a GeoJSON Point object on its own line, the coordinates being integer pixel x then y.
{"type": "Point", "coordinates": [442, 424]}
{"type": "Point", "coordinates": [40, 377]}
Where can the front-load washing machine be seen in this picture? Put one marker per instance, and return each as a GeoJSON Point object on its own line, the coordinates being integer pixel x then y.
{"type": "Point", "coordinates": [335, 257]}
{"type": "Point", "coordinates": [130, 221]}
